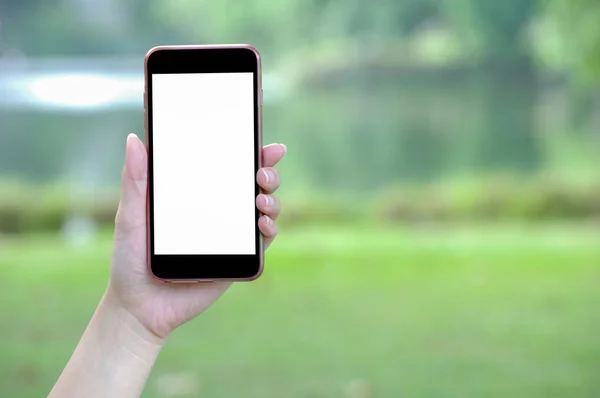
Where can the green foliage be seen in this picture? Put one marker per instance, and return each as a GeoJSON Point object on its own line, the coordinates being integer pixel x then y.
{"type": "Point", "coordinates": [320, 209]}
{"type": "Point", "coordinates": [15, 202]}
{"type": "Point", "coordinates": [493, 31]}
{"type": "Point", "coordinates": [26, 208]}
{"type": "Point", "coordinates": [572, 32]}
{"type": "Point", "coordinates": [48, 209]}
{"type": "Point", "coordinates": [283, 26]}
{"type": "Point", "coordinates": [492, 199]}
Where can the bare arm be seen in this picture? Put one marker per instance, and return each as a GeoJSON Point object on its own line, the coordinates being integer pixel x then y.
{"type": "Point", "coordinates": [113, 359]}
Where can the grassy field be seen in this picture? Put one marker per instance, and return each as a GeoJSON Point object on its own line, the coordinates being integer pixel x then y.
{"type": "Point", "coordinates": [342, 312]}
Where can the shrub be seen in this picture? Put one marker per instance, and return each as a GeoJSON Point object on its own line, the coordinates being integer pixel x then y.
{"type": "Point", "coordinates": [104, 209]}
{"type": "Point", "coordinates": [317, 209]}
{"type": "Point", "coordinates": [16, 201]}
{"type": "Point", "coordinates": [25, 208]}
{"type": "Point", "coordinates": [492, 199]}
{"type": "Point", "coordinates": [48, 210]}
{"type": "Point", "coordinates": [43, 209]}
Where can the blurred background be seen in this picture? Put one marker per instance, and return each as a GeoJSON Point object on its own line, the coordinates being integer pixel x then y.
{"type": "Point", "coordinates": [441, 226]}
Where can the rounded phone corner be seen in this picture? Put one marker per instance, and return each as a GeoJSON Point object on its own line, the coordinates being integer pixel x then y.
{"type": "Point", "coordinates": [250, 47]}
{"type": "Point", "coordinates": [149, 54]}
{"type": "Point", "coordinates": [257, 275]}
{"type": "Point", "coordinates": [156, 277]}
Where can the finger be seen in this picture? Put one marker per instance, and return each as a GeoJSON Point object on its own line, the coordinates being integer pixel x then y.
{"type": "Point", "coordinates": [272, 154]}
{"type": "Point", "coordinates": [268, 228]}
{"type": "Point", "coordinates": [269, 205]}
{"type": "Point", "coordinates": [268, 179]}
{"type": "Point", "coordinates": [131, 213]}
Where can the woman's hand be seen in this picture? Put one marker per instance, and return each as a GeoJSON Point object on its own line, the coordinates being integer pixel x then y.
{"type": "Point", "coordinates": [161, 307]}
{"type": "Point", "coordinates": [122, 341]}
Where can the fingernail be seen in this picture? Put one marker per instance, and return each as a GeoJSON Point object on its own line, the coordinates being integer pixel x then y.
{"type": "Point", "coordinates": [284, 148]}
{"type": "Point", "coordinates": [268, 200]}
{"type": "Point", "coordinates": [131, 135]}
{"type": "Point", "coordinates": [267, 174]}
{"type": "Point", "coordinates": [268, 219]}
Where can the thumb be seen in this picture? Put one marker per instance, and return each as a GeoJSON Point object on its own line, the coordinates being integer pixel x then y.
{"type": "Point", "coordinates": [131, 214]}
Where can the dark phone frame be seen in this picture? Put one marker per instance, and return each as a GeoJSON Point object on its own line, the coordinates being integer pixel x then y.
{"type": "Point", "coordinates": [203, 59]}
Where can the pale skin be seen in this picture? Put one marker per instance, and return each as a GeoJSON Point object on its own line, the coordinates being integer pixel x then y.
{"type": "Point", "coordinates": [137, 313]}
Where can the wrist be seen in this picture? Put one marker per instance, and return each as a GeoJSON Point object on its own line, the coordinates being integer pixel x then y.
{"type": "Point", "coordinates": [114, 357]}
{"type": "Point", "coordinates": [127, 349]}
{"type": "Point", "coordinates": [130, 328]}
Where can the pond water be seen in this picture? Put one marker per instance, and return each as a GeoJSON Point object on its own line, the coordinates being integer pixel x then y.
{"type": "Point", "coordinates": [359, 134]}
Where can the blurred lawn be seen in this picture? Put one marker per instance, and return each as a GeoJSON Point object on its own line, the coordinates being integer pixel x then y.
{"type": "Point", "coordinates": [501, 311]}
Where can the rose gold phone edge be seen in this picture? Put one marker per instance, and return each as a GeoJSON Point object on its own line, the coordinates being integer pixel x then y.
{"type": "Point", "coordinates": [258, 100]}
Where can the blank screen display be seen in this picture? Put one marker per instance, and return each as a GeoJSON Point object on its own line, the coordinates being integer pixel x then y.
{"type": "Point", "coordinates": [203, 164]}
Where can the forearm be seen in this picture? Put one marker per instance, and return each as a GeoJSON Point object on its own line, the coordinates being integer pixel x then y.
{"type": "Point", "coordinates": [113, 359]}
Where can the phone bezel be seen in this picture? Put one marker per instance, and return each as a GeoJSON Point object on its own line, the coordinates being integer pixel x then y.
{"type": "Point", "coordinates": [203, 59]}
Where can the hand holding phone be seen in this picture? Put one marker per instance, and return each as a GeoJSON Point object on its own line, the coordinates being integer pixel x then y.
{"type": "Point", "coordinates": [161, 307]}
{"type": "Point", "coordinates": [138, 312]}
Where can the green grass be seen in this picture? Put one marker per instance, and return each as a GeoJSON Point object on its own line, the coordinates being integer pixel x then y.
{"type": "Point", "coordinates": [464, 312]}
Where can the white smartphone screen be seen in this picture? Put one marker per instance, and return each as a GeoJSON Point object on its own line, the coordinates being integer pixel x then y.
{"type": "Point", "coordinates": [203, 164]}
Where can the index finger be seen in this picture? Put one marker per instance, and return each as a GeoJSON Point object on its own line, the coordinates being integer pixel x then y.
{"type": "Point", "coordinates": [272, 154]}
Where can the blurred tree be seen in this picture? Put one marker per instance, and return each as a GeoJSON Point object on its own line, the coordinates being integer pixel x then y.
{"type": "Point", "coordinates": [574, 30]}
{"type": "Point", "coordinates": [495, 36]}
{"type": "Point", "coordinates": [569, 37]}
{"type": "Point", "coordinates": [493, 31]}
{"type": "Point", "coordinates": [283, 26]}
{"type": "Point", "coordinates": [74, 27]}
{"type": "Point", "coordinates": [260, 21]}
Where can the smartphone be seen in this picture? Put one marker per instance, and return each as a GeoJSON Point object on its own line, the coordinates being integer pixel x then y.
{"type": "Point", "coordinates": [204, 138]}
